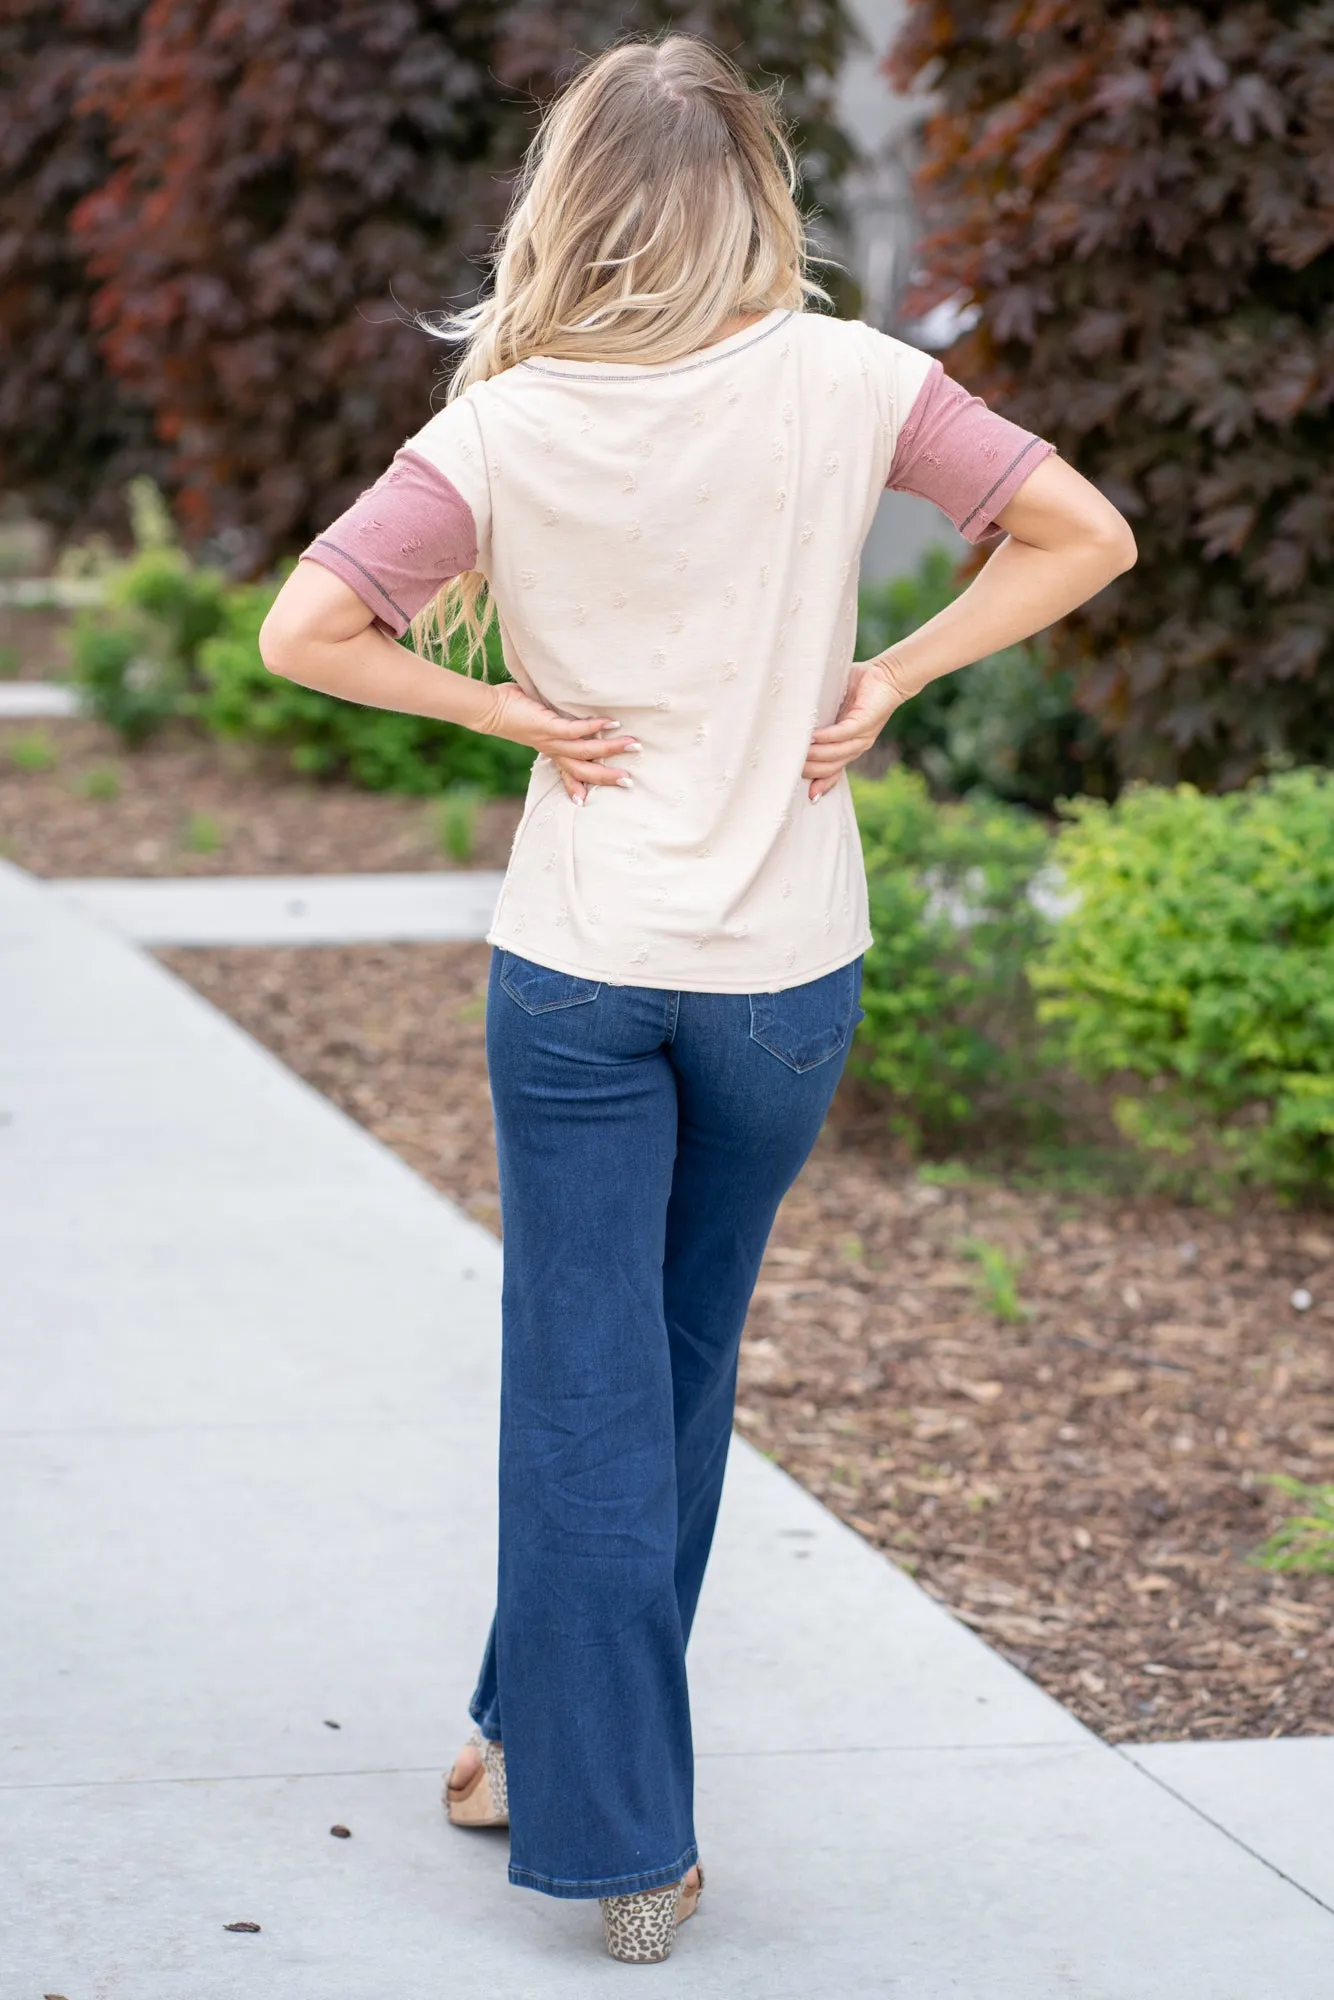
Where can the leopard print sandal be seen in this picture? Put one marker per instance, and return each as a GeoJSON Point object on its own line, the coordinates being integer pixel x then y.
{"type": "Point", "coordinates": [641, 1929]}
{"type": "Point", "coordinates": [484, 1799]}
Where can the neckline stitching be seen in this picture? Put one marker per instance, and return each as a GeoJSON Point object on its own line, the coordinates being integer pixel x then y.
{"type": "Point", "coordinates": [652, 374]}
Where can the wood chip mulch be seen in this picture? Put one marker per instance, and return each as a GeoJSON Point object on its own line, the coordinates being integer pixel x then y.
{"type": "Point", "coordinates": [1082, 1485]}
{"type": "Point", "coordinates": [32, 643]}
{"type": "Point", "coordinates": [185, 805]}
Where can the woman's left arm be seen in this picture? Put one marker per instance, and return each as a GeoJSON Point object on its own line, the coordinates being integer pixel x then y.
{"type": "Point", "coordinates": [1064, 543]}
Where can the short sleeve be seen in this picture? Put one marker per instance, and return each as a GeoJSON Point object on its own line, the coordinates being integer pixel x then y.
{"type": "Point", "coordinates": [954, 451]}
{"type": "Point", "coordinates": [425, 520]}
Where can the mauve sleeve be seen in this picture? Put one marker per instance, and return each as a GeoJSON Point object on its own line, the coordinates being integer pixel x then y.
{"type": "Point", "coordinates": [956, 452]}
{"type": "Point", "coordinates": [396, 545]}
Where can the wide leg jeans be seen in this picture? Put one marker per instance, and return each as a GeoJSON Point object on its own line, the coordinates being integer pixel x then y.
{"type": "Point", "coordinates": [645, 1138]}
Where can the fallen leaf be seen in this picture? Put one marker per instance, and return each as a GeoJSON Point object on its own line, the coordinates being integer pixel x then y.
{"type": "Point", "coordinates": [1290, 1619]}
{"type": "Point", "coordinates": [1119, 1383]}
{"type": "Point", "coordinates": [929, 1424]}
{"type": "Point", "coordinates": [341, 1832]}
{"type": "Point", "coordinates": [1011, 1628]}
{"type": "Point", "coordinates": [241, 1927]}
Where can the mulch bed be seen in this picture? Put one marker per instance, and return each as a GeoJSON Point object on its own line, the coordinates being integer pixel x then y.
{"type": "Point", "coordinates": [32, 644]}
{"type": "Point", "coordinates": [186, 805]}
{"type": "Point", "coordinates": [1082, 1484]}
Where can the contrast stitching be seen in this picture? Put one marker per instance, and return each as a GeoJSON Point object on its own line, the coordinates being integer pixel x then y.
{"type": "Point", "coordinates": [656, 374]}
{"type": "Point", "coordinates": [999, 483]}
{"type": "Point", "coordinates": [347, 556]}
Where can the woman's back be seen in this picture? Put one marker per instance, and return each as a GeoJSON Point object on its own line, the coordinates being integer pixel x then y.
{"type": "Point", "coordinates": [676, 546]}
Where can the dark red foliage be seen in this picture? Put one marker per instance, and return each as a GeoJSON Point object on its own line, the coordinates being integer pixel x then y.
{"type": "Point", "coordinates": [69, 433]}
{"type": "Point", "coordinates": [1141, 198]}
{"type": "Point", "coordinates": [295, 177]}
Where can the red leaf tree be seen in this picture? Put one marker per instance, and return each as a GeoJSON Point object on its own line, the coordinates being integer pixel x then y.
{"type": "Point", "coordinates": [69, 433]}
{"type": "Point", "coordinates": [293, 179]}
{"type": "Point", "coordinates": [1141, 201]}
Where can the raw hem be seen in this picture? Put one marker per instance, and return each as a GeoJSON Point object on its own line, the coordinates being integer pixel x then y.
{"type": "Point", "coordinates": [669, 983]}
{"type": "Point", "coordinates": [472, 1710]}
{"type": "Point", "coordinates": [615, 1885]}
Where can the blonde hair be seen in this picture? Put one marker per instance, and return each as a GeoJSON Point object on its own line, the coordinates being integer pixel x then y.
{"type": "Point", "coordinates": [656, 201]}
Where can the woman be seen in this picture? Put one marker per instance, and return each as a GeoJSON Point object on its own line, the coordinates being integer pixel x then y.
{"type": "Point", "coordinates": [659, 470]}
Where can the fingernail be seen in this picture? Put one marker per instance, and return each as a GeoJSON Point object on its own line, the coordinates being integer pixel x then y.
{"type": "Point", "coordinates": [632, 749]}
{"type": "Point", "coordinates": [627, 784]}
{"type": "Point", "coordinates": [580, 799]}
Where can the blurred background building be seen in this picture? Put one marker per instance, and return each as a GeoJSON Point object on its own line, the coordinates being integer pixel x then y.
{"type": "Point", "coordinates": [882, 239]}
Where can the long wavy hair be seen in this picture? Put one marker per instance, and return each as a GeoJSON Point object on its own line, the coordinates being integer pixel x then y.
{"type": "Point", "coordinates": [656, 201]}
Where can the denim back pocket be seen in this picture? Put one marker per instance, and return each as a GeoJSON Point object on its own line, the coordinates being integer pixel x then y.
{"type": "Point", "coordinates": [539, 990]}
{"type": "Point", "coordinates": [806, 1025]}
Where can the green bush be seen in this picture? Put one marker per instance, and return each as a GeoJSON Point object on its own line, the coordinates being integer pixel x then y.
{"type": "Point", "coordinates": [1007, 725]}
{"type": "Point", "coordinates": [135, 657]}
{"type": "Point", "coordinates": [1200, 960]}
{"type": "Point", "coordinates": [327, 738]}
{"type": "Point", "coordinates": [174, 640]}
{"type": "Point", "coordinates": [948, 1029]}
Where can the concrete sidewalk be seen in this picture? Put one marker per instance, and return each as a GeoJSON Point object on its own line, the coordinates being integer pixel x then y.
{"type": "Point", "coordinates": [423, 907]}
{"type": "Point", "coordinates": [248, 1381]}
{"type": "Point", "coordinates": [21, 701]}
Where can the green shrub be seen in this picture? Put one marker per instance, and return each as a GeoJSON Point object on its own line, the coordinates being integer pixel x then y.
{"type": "Point", "coordinates": [948, 1029]}
{"type": "Point", "coordinates": [1007, 725]}
{"type": "Point", "coordinates": [327, 738]}
{"type": "Point", "coordinates": [135, 656]}
{"type": "Point", "coordinates": [1200, 960]}
{"type": "Point", "coordinates": [174, 640]}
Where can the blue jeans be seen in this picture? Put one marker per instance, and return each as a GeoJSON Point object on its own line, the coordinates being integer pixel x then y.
{"type": "Point", "coordinates": [645, 1140]}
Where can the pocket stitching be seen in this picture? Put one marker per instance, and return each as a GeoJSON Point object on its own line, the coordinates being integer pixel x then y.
{"type": "Point", "coordinates": [844, 1032]}
{"type": "Point", "coordinates": [549, 1006]}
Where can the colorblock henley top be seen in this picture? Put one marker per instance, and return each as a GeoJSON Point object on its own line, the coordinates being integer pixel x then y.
{"type": "Point", "coordinates": [676, 545]}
